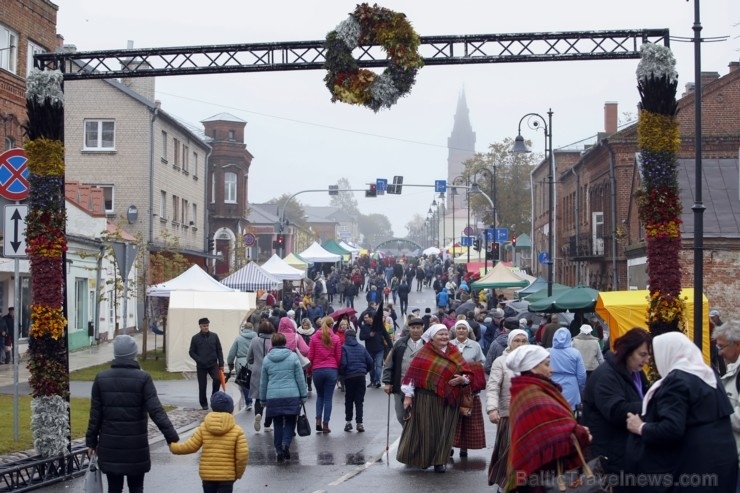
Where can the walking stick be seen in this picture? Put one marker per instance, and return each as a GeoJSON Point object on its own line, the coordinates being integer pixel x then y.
{"type": "Point", "coordinates": [388, 432]}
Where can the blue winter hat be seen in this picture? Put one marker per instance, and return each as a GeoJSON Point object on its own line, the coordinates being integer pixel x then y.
{"type": "Point", "coordinates": [221, 402]}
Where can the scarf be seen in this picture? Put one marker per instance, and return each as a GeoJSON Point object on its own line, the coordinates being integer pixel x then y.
{"type": "Point", "coordinates": [541, 425]}
{"type": "Point", "coordinates": [432, 368]}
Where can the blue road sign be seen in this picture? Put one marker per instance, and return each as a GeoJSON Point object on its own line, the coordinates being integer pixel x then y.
{"type": "Point", "coordinates": [490, 234]}
{"type": "Point", "coordinates": [543, 258]}
{"type": "Point", "coordinates": [466, 241]}
{"type": "Point", "coordinates": [381, 185]}
{"type": "Point", "coordinates": [502, 234]}
{"type": "Point", "coordinates": [440, 186]}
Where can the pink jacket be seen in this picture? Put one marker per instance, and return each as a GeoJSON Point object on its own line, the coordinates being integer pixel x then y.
{"type": "Point", "coordinates": [287, 328]}
{"type": "Point", "coordinates": [322, 356]}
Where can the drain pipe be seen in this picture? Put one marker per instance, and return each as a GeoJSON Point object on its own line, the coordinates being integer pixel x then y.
{"type": "Point", "coordinates": [578, 220]}
{"type": "Point", "coordinates": [613, 214]}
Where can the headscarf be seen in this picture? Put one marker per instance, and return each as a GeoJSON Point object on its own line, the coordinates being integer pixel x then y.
{"type": "Point", "coordinates": [586, 329]}
{"type": "Point", "coordinates": [674, 351]}
{"type": "Point", "coordinates": [432, 331]}
{"type": "Point", "coordinates": [513, 334]}
{"type": "Point", "coordinates": [526, 357]}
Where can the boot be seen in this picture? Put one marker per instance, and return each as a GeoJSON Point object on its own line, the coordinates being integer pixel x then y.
{"type": "Point", "coordinates": [325, 428]}
{"type": "Point", "coordinates": [318, 425]}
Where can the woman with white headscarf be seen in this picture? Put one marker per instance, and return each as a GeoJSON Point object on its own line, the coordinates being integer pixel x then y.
{"type": "Point", "coordinates": [470, 433]}
{"type": "Point", "coordinates": [543, 428]}
{"type": "Point", "coordinates": [684, 433]}
{"type": "Point", "coordinates": [432, 389]}
{"type": "Point", "coordinates": [497, 406]}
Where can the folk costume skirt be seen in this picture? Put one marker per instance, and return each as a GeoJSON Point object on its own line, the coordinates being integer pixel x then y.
{"type": "Point", "coordinates": [427, 436]}
{"type": "Point", "coordinates": [499, 457]}
{"type": "Point", "coordinates": [470, 432]}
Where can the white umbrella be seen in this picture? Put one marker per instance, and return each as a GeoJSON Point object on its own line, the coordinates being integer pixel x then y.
{"type": "Point", "coordinates": [431, 251]}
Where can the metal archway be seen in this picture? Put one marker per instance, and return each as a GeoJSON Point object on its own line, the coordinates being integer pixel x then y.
{"type": "Point", "coordinates": [399, 246]}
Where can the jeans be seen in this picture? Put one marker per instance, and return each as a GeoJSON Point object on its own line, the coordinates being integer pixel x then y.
{"type": "Point", "coordinates": [245, 393]}
{"type": "Point", "coordinates": [404, 304]}
{"type": "Point", "coordinates": [135, 483]}
{"type": "Point", "coordinates": [378, 370]}
{"type": "Point", "coordinates": [203, 374]}
{"type": "Point", "coordinates": [354, 397]}
{"type": "Point", "coordinates": [218, 486]}
{"type": "Point", "coordinates": [324, 381]}
{"type": "Point", "coordinates": [283, 431]}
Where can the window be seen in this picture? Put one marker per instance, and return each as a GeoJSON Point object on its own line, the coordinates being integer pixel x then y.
{"type": "Point", "coordinates": [108, 196]}
{"type": "Point", "coordinates": [230, 188]}
{"type": "Point", "coordinates": [8, 49]}
{"type": "Point", "coordinates": [163, 204]}
{"type": "Point", "coordinates": [9, 143]}
{"type": "Point", "coordinates": [33, 49]}
{"type": "Point", "coordinates": [195, 164]}
{"type": "Point", "coordinates": [100, 135]}
{"type": "Point", "coordinates": [194, 219]}
{"type": "Point", "coordinates": [232, 135]}
{"type": "Point", "coordinates": [164, 147]}
{"type": "Point", "coordinates": [80, 303]}
{"type": "Point", "coordinates": [213, 188]}
{"type": "Point", "coordinates": [185, 210]}
{"type": "Point", "coordinates": [176, 145]}
{"type": "Point", "coordinates": [175, 208]}
{"type": "Point", "coordinates": [185, 156]}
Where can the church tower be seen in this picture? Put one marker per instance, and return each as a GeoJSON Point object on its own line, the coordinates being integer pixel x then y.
{"type": "Point", "coordinates": [460, 147]}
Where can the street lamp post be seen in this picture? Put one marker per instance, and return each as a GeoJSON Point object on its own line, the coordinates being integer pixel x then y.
{"type": "Point", "coordinates": [492, 184]}
{"type": "Point", "coordinates": [533, 121]}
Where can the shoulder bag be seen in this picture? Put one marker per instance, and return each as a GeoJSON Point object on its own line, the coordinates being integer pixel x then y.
{"type": "Point", "coordinates": [93, 476]}
{"type": "Point", "coordinates": [244, 376]}
{"type": "Point", "coordinates": [575, 481]}
{"type": "Point", "coordinates": [302, 359]}
{"type": "Point", "coordinates": [303, 427]}
{"type": "Point", "coordinates": [466, 401]}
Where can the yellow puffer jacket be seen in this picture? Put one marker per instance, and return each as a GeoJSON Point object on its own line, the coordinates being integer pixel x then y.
{"type": "Point", "coordinates": [225, 449]}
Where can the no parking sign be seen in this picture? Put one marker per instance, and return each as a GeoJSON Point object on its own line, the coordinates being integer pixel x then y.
{"type": "Point", "coordinates": [14, 174]}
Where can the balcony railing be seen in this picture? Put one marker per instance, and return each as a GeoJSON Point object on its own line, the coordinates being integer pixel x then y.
{"type": "Point", "coordinates": [586, 245]}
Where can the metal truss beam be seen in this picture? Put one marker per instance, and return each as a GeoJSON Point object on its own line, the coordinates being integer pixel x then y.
{"type": "Point", "coordinates": [34, 473]}
{"type": "Point", "coordinates": [310, 55]}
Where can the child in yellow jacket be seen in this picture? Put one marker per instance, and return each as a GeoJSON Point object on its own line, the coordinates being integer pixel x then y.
{"type": "Point", "coordinates": [225, 449]}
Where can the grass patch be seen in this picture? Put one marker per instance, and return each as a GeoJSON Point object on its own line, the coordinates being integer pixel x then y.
{"type": "Point", "coordinates": [155, 367]}
{"type": "Point", "coordinates": [79, 414]}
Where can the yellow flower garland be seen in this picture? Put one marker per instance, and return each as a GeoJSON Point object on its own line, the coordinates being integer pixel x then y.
{"type": "Point", "coordinates": [45, 157]}
{"type": "Point", "coordinates": [47, 321]}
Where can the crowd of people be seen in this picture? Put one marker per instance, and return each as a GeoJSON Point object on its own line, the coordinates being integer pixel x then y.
{"type": "Point", "coordinates": [552, 390]}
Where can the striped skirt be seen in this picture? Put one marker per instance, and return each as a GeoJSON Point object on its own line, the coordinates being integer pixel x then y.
{"type": "Point", "coordinates": [427, 436]}
{"type": "Point", "coordinates": [500, 455]}
{"type": "Point", "coordinates": [470, 432]}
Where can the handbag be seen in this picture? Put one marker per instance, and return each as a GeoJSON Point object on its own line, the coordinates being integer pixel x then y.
{"type": "Point", "coordinates": [303, 427]}
{"type": "Point", "coordinates": [244, 376]}
{"type": "Point", "coordinates": [574, 481]}
{"type": "Point", "coordinates": [93, 476]}
{"type": "Point", "coordinates": [466, 401]}
{"type": "Point", "coordinates": [302, 359]}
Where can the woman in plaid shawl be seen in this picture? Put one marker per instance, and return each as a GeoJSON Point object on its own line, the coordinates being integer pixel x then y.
{"type": "Point", "coordinates": [432, 389]}
{"type": "Point", "coordinates": [541, 420]}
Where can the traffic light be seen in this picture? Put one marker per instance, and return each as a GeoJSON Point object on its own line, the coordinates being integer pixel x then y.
{"type": "Point", "coordinates": [210, 244]}
{"type": "Point", "coordinates": [476, 244]}
{"type": "Point", "coordinates": [513, 241]}
{"type": "Point", "coordinates": [495, 252]}
{"type": "Point", "coordinates": [280, 241]}
{"type": "Point", "coordinates": [372, 191]}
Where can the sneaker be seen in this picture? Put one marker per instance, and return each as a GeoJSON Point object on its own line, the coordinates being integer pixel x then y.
{"type": "Point", "coordinates": [360, 427]}
{"type": "Point", "coordinates": [377, 385]}
{"type": "Point", "coordinates": [249, 407]}
{"type": "Point", "coordinates": [268, 428]}
{"type": "Point", "coordinates": [371, 384]}
{"type": "Point", "coordinates": [348, 426]}
{"type": "Point", "coordinates": [258, 422]}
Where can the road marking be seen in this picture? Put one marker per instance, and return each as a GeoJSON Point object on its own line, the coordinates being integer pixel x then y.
{"type": "Point", "coordinates": [366, 465]}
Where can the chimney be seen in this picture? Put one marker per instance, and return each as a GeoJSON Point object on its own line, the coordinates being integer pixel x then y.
{"type": "Point", "coordinates": [611, 117]}
{"type": "Point", "coordinates": [60, 44]}
{"type": "Point", "coordinates": [707, 77]}
{"type": "Point", "coordinates": [688, 89]}
{"type": "Point", "coordinates": [734, 66]}
{"type": "Point", "coordinates": [141, 85]}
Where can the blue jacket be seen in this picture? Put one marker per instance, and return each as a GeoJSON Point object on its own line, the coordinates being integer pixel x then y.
{"type": "Point", "coordinates": [567, 366]}
{"type": "Point", "coordinates": [282, 383]}
{"type": "Point", "coordinates": [356, 361]}
{"type": "Point", "coordinates": [443, 299]}
{"type": "Point", "coordinates": [240, 348]}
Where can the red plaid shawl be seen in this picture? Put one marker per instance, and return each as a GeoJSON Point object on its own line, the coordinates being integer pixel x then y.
{"type": "Point", "coordinates": [431, 369]}
{"type": "Point", "coordinates": [541, 426]}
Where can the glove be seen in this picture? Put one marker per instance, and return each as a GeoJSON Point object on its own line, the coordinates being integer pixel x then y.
{"type": "Point", "coordinates": [231, 368]}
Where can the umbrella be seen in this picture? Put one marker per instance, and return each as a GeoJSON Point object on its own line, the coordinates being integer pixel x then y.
{"type": "Point", "coordinates": [577, 298]}
{"type": "Point", "coordinates": [336, 315]}
{"type": "Point", "coordinates": [542, 293]}
{"type": "Point", "coordinates": [466, 307]}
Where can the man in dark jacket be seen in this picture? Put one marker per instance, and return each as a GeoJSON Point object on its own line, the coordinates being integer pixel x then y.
{"type": "Point", "coordinates": [403, 296]}
{"type": "Point", "coordinates": [205, 349]}
{"type": "Point", "coordinates": [398, 361]}
{"type": "Point", "coordinates": [376, 338]}
{"type": "Point", "coordinates": [356, 363]}
{"type": "Point", "coordinates": [122, 398]}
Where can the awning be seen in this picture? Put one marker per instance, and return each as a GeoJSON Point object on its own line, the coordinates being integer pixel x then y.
{"type": "Point", "coordinates": [252, 277]}
{"type": "Point", "coordinates": [500, 277]}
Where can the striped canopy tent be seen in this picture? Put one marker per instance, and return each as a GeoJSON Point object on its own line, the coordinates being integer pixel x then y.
{"type": "Point", "coordinates": [295, 260]}
{"type": "Point", "coordinates": [252, 277]}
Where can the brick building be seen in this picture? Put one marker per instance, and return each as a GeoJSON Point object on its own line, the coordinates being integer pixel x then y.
{"type": "Point", "coordinates": [599, 240]}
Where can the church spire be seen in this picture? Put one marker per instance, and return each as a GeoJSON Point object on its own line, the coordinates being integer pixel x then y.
{"type": "Point", "coordinates": [460, 143]}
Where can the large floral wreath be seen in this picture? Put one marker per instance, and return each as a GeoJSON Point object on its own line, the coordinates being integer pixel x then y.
{"type": "Point", "coordinates": [372, 26]}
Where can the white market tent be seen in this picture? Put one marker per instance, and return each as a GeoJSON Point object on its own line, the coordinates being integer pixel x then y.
{"type": "Point", "coordinates": [225, 311]}
{"type": "Point", "coordinates": [279, 269]}
{"type": "Point", "coordinates": [353, 251]}
{"type": "Point", "coordinates": [252, 277]}
{"type": "Point", "coordinates": [193, 279]}
{"type": "Point", "coordinates": [317, 253]}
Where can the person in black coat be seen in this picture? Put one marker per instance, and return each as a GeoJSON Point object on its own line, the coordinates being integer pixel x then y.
{"type": "Point", "coordinates": [122, 398]}
{"type": "Point", "coordinates": [205, 349]}
{"type": "Point", "coordinates": [377, 339]}
{"type": "Point", "coordinates": [614, 389]}
{"type": "Point", "coordinates": [684, 436]}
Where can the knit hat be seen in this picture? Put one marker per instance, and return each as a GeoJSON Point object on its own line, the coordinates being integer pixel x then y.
{"type": "Point", "coordinates": [221, 402]}
{"type": "Point", "coordinates": [416, 310]}
{"type": "Point", "coordinates": [498, 313]}
{"type": "Point", "coordinates": [124, 347]}
{"type": "Point", "coordinates": [203, 321]}
{"type": "Point", "coordinates": [350, 333]}
{"type": "Point", "coordinates": [714, 313]}
{"type": "Point", "coordinates": [291, 313]}
{"type": "Point", "coordinates": [427, 310]}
